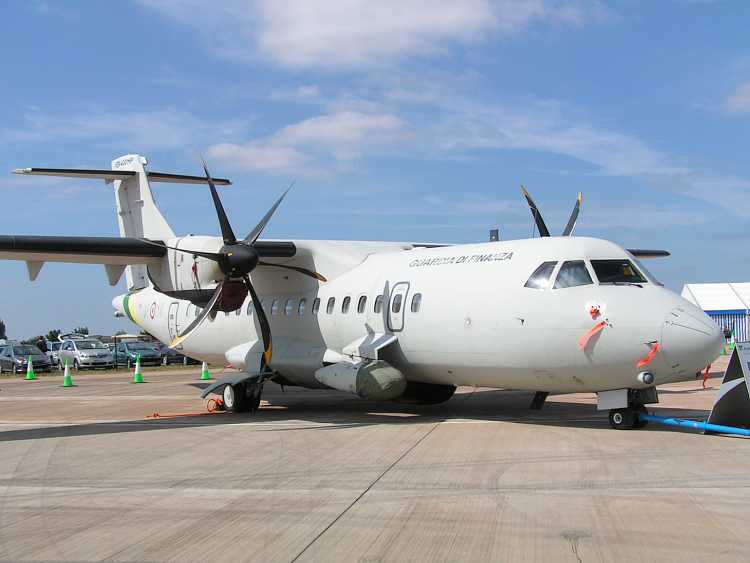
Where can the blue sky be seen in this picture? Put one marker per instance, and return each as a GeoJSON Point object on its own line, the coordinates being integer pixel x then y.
{"type": "Point", "coordinates": [400, 120]}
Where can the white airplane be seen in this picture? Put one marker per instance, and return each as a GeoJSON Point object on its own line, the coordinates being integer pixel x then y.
{"type": "Point", "coordinates": [386, 320]}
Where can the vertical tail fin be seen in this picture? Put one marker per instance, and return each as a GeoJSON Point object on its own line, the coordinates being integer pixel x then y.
{"type": "Point", "coordinates": [137, 213]}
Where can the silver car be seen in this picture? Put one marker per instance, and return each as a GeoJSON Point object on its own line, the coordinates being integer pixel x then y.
{"type": "Point", "coordinates": [85, 353]}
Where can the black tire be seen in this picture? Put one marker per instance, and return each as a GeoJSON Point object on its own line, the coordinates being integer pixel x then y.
{"type": "Point", "coordinates": [129, 364]}
{"type": "Point", "coordinates": [623, 419]}
{"type": "Point", "coordinates": [235, 398]}
{"type": "Point", "coordinates": [254, 403]}
{"type": "Point", "coordinates": [15, 369]}
{"type": "Point", "coordinates": [76, 365]}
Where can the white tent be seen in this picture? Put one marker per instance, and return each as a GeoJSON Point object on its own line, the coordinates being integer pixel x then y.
{"type": "Point", "coordinates": [726, 303]}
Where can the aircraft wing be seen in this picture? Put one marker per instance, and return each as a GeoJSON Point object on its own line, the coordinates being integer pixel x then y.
{"type": "Point", "coordinates": [115, 253]}
{"type": "Point", "coordinates": [83, 250]}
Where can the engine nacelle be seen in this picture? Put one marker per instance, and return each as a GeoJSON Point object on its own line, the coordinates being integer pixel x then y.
{"type": "Point", "coordinates": [186, 275]}
{"type": "Point", "coordinates": [373, 380]}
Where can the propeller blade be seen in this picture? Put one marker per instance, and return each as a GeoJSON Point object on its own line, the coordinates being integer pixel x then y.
{"type": "Point", "coordinates": [543, 230]}
{"type": "Point", "coordinates": [304, 271]}
{"type": "Point", "coordinates": [255, 233]}
{"type": "Point", "coordinates": [265, 329]}
{"type": "Point", "coordinates": [200, 318]}
{"type": "Point", "coordinates": [226, 229]}
{"type": "Point", "coordinates": [573, 216]}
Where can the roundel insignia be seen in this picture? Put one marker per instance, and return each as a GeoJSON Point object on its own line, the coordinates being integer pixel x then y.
{"type": "Point", "coordinates": [152, 310]}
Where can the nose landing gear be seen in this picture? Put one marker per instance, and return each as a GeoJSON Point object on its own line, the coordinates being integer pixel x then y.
{"type": "Point", "coordinates": [627, 418]}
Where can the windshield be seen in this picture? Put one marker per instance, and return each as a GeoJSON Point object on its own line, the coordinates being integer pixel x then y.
{"type": "Point", "coordinates": [617, 271]}
{"type": "Point", "coordinates": [55, 346]}
{"type": "Point", "coordinates": [573, 274]}
{"type": "Point", "coordinates": [26, 350]}
{"type": "Point", "coordinates": [540, 278]}
{"type": "Point", "coordinates": [90, 345]}
{"type": "Point", "coordinates": [139, 346]}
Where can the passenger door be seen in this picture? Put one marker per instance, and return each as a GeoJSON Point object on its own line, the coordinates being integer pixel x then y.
{"type": "Point", "coordinates": [397, 305]}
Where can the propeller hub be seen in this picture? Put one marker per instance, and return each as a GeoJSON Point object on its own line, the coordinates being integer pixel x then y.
{"type": "Point", "coordinates": [238, 259]}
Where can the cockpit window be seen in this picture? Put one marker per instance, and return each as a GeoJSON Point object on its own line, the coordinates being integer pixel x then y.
{"type": "Point", "coordinates": [617, 271]}
{"type": "Point", "coordinates": [572, 274]}
{"type": "Point", "coordinates": [540, 278]}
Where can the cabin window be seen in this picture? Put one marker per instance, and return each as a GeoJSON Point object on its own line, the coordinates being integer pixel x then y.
{"type": "Point", "coordinates": [316, 306]}
{"type": "Point", "coordinates": [378, 304]}
{"type": "Point", "coordinates": [361, 304]}
{"type": "Point", "coordinates": [617, 271]}
{"type": "Point", "coordinates": [572, 274]}
{"type": "Point", "coordinates": [331, 305]}
{"type": "Point", "coordinates": [301, 306]}
{"type": "Point", "coordinates": [345, 304]}
{"type": "Point", "coordinates": [541, 277]}
{"type": "Point", "coordinates": [275, 307]}
{"type": "Point", "coordinates": [396, 304]}
{"type": "Point", "coordinates": [249, 308]}
{"type": "Point", "coordinates": [416, 302]}
{"type": "Point", "coordinates": [289, 307]}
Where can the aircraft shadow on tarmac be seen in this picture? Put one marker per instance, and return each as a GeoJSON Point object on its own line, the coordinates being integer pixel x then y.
{"type": "Point", "coordinates": [332, 410]}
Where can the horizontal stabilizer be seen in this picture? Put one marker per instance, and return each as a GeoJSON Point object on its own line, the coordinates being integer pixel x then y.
{"type": "Point", "coordinates": [110, 175]}
{"type": "Point", "coordinates": [641, 253]}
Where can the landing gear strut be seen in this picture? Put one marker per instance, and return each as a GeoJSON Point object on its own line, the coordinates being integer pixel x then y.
{"type": "Point", "coordinates": [242, 397]}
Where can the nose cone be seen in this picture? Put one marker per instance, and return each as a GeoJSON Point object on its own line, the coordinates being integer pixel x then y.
{"type": "Point", "coordinates": [690, 339]}
{"type": "Point", "coordinates": [118, 304]}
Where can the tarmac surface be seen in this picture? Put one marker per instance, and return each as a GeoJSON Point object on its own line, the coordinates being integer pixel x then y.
{"type": "Point", "coordinates": [86, 475]}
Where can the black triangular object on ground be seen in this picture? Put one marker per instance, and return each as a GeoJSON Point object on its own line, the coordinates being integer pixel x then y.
{"type": "Point", "coordinates": [732, 405]}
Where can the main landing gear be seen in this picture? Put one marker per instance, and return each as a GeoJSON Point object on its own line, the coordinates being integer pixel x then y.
{"type": "Point", "coordinates": [242, 397]}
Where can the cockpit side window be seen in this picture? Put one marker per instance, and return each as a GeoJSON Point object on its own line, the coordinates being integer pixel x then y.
{"type": "Point", "coordinates": [541, 276]}
{"type": "Point", "coordinates": [617, 271]}
{"type": "Point", "coordinates": [572, 274]}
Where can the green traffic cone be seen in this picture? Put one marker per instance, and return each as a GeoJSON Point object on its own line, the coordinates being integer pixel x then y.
{"type": "Point", "coordinates": [30, 375]}
{"type": "Point", "coordinates": [204, 372]}
{"type": "Point", "coordinates": [138, 376]}
{"type": "Point", "coordinates": [67, 379]}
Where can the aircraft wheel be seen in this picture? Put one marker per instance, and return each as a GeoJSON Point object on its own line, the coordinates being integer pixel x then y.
{"type": "Point", "coordinates": [235, 398]}
{"type": "Point", "coordinates": [623, 419]}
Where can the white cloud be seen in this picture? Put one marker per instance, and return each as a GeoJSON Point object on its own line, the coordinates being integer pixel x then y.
{"type": "Point", "coordinates": [738, 102]}
{"type": "Point", "coordinates": [357, 33]}
{"type": "Point", "coordinates": [344, 135]}
{"type": "Point", "coordinates": [258, 156]}
{"type": "Point", "coordinates": [307, 91]}
{"type": "Point", "coordinates": [157, 129]}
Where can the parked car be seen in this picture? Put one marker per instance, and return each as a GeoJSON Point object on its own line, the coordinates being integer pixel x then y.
{"type": "Point", "coordinates": [127, 352]}
{"type": "Point", "coordinates": [84, 353]}
{"type": "Point", "coordinates": [14, 358]}
{"type": "Point", "coordinates": [52, 352]}
{"type": "Point", "coordinates": [170, 356]}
